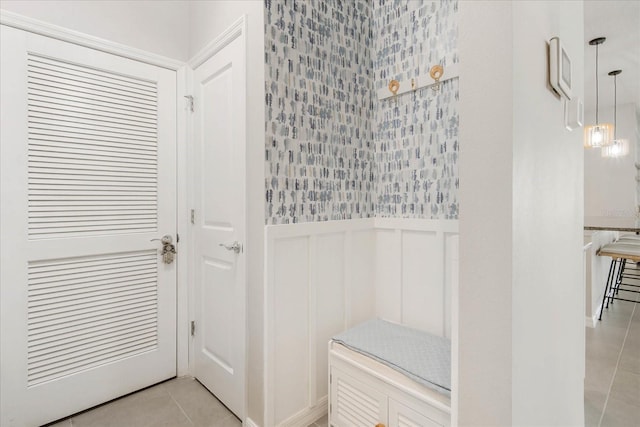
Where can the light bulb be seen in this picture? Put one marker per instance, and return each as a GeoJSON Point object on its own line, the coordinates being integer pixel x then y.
{"type": "Point", "coordinates": [597, 136]}
{"type": "Point", "coordinates": [619, 148]}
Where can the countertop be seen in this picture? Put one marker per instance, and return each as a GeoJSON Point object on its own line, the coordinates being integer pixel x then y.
{"type": "Point", "coordinates": [613, 223]}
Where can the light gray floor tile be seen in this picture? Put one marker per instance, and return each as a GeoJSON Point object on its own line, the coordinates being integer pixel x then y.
{"type": "Point", "coordinates": [619, 308]}
{"type": "Point", "coordinates": [202, 408]}
{"type": "Point", "coordinates": [323, 422]}
{"type": "Point", "coordinates": [594, 405]}
{"type": "Point", "coordinates": [633, 338]}
{"type": "Point", "coordinates": [599, 376]}
{"type": "Point", "coordinates": [612, 362]}
{"type": "Point", "coordinates": [620, 414]}
{"type": "Point", "coordinates": [230, 421]}
{"type": "Point", "coordinates": [626, 387]}
{"type": "Point", "coordinates": [630, 360]}
{"type": "Point", "coordinates": [151, 407]}
{"type": "Point", "coordinates": [591, 416]}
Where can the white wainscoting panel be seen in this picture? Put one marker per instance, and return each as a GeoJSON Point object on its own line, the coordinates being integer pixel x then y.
{"type": "Point", "coordinates": [319, 282]}
{"type": "Point", "coordinates": [416, 264]}
{"type": "Point", "coordinates": [323, 278]}
{"type": "Point", "coordinates": [291, 324]}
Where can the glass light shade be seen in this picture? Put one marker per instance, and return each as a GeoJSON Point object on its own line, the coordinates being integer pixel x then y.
{"type": "Point", "coordinates": [598, 135]}
{"type": "Point", "coordinates": [619, 148]}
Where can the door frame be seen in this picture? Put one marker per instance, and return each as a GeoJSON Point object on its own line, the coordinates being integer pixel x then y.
{"type": "Point", "coordinates": [237, 29]}
{"type": "Point", "coordinates": [35, 26]}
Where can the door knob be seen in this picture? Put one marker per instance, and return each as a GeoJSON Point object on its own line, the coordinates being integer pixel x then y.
{"type": "Point", "coordinates": [168, 251]}
{"type": "Point", "coordinates": [235, 247]}
{"type": "Point", "coordinates": [166, 239]}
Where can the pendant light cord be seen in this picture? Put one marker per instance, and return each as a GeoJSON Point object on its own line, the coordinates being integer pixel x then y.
{"type": "Point", "coordinates": [597, 87]}
{"type": "Point", "coordinates": [615, 107]}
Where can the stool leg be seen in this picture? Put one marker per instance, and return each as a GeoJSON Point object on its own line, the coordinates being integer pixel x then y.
{"type": "Point", "coordinates": [606, 288]}
{"type": "Point", "coordinates": [623, 264]}
{"type": "Point", "coordinates": [620, 264]}
{"type": "Point", "coordinates": [612, 283]}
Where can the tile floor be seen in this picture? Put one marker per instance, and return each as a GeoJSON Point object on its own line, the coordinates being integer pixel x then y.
{"type": "Point", "coordinates": [612, 387]}
{"type": "Point", "coordinates": [612, 383]}
{"type": "Point", "coordinates": [181, 402]}
{"type": "Point", "coordinates": [322, 422]}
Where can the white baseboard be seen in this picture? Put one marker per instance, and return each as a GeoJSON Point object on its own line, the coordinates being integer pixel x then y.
{"type": "Point", "coordinates": [308, 416]}
{"type": "Point", "coordinates": [591, 322]}
{"type": "Point", "coordinates": [248, 422]}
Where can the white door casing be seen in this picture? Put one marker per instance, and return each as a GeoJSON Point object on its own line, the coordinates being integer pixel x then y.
{"type": "Point", "coordinates": [87, 163]}
{"type": "Point", "coordinates": [219, 88]}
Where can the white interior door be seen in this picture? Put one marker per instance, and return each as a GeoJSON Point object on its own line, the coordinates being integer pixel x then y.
{"type": "Point", "coordinates": [219, 161]}
{"type": "Point", "coordinates": [87, 180]}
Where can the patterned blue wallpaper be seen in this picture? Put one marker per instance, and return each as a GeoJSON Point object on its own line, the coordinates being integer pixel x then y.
{"type": "Point", "coordinates": [319, 145]}
{"type": "Point", "coordinates": [416, 133]}
{"type": "Point", "coordinates": [333, 150]}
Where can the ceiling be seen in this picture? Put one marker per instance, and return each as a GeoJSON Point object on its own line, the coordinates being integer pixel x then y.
{"type": "Point", "coordinates": [619, 22]}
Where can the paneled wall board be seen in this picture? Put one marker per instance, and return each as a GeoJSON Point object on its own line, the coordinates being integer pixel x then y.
{"type": "Point", "coordinates": [422, 280]}
{"type": "Point", "coordinates": [388, 271]}
{"type": "Point", "coordinates": [324, 277]}
{"type": "Point", "coordinates": [416, 265]}
{"type": "Point", "coordinates": [361, 277]}
{"type": "Point", "coordinates": [290, 326]}
{"type": "Point", "coordinates": [318, 283]}
{"type": "Point", "coordinates": [330, 301]}
{"type": "Point", "coordinates": [451, 260]}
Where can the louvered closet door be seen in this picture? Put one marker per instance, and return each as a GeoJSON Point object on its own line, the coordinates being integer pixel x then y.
{"type": "Point", "coordinates": [87, 180]}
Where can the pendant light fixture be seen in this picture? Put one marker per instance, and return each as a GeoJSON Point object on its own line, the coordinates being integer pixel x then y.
{"type": "Point", "coordinates": [599, 134]}
{"type": "Point", "coordinates": [619, 147]}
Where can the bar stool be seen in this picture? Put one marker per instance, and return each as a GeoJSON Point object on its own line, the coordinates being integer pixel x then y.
{"type": "Point", "coordinates": [633, 272]}
{"type": "Point", "coordinates": [620, 252]}
{"type": "Point", "coordinates": [629, 238]}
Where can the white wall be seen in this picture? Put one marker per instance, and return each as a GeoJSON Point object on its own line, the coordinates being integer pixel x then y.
{"type": "Point", "coordinates": [207, 20]}
{"type": "Point", "coordinates": [610, 184]}
{"type": "Point", "coordinates": [486, 129]}
{"type": "Point", "coordinates": [521, 324]}
{"type": "Point", "coordinates": [159, 27]}
{"type": "Point", "coordinates": [548, 322]}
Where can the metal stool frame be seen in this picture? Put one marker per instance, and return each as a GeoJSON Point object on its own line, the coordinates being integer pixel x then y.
{"type": "Point", "coordinates": [617, 273]}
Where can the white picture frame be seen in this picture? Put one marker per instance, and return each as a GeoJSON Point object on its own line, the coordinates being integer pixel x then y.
{"type": "Point", "coordinates": [560, 68]}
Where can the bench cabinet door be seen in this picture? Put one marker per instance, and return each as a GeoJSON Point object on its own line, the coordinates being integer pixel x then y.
{"type": "Point", "coordinates": [401, 415]}
{"type": "Point", "coordinates": [355, 401]}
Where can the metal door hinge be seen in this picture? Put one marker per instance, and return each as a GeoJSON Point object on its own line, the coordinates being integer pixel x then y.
{"type": "Point", "coordinates": [193, 216]}
{"type": "Point", "coordinates": [190, 103]}
{"type": "Point", "coordinates": [177, 238]}
{"type": "Point", "coordinates": [193, 327]}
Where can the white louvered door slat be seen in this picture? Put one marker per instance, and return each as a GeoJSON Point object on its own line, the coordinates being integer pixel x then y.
{"type": "Point", "coordinates": [355, 403]}
{"type": "Point", "coordinates": [87, 179]}
{"type": "Point", "coordinates": [401, 415]}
